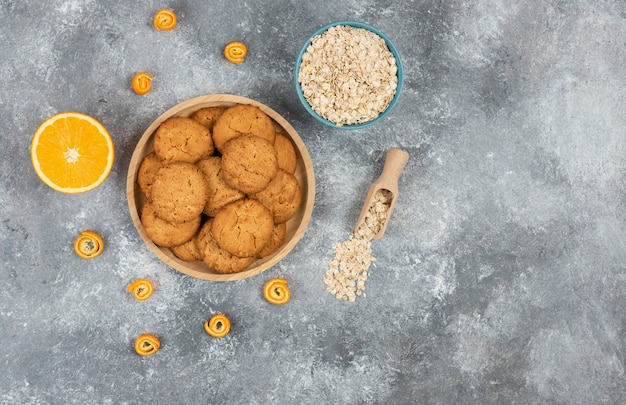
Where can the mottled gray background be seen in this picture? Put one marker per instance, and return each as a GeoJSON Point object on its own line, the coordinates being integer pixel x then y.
{"type": "Point", "coordinates": [501, 279]}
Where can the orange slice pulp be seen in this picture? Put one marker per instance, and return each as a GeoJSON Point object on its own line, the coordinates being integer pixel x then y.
{"type": "Point", "coordinates": [72, 152]}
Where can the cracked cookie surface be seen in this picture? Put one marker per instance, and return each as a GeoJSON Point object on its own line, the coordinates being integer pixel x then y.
{"type": "Point", "coordinates": [277, 239]}
{"type": "Point", "coordinates": [243, 227]}
{"type": "Point", "coordinates": [242, 119]}
{"type": "Point", "coordinates": [249, 163]}
{"type": "Point", "coordinates": [179, 192]}
{"type": "Point", "coordinates": [188, 251]}
{"type": "Point", "coordinates": [220, 193]}
{"type": "Point", "coordinates": [182, 139]}
{"type": "Point", "coordinates": [282, 196]}
{"type": "Point", "coordinates": [147, 170]}
{"type": "Point", "coordinates": [217, 258]}
{"type": "Point", "coordinates": [208, 115]}
{"type": "Point", "coordinates": [165, 233]}
{"type": "Point", "coordinates": [286, 153]}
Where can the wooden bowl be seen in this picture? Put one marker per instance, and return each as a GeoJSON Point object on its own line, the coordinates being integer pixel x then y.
{"type": "Point", "coordinates": [295, 226]}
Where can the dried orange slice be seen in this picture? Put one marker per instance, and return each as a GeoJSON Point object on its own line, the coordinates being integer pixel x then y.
{"type": "Point", "coordinates": [72, 152]}
{"type": "Point", "coordinates": [218, 326]}
{"type": "Point", "coordinates": [88, 245]}
{"type": "Point", "coordinates": [142, 289]}
{"type": "Point", "coordinates": [276, 291]}
{"type": "Point", "coordinates": [235, 52]}
{"type": "Point", "coordinates": [164, 20]}
{"type": "Point", "coordinates": [147, 344]}
{"type": "Point", "coordinates": [142, 83]}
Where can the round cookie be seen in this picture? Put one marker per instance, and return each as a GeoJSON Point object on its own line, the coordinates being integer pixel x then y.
{"type": "Point", "coordinates": [201, 237]}
{"type": "Point", "coordinates": [182, 139]}
{"type": "Point", "coordinates": [282, 196]}
{"type": "Point", "coordinates": [208, 115]}
{"type": "Point", "coordinates": [277, 239]}
{"type": "Point", "coordinates": [286, 153]}
{"type": "Point", "coordinates": [147, 170]}
{"type": "Point", "coordinates": [217, 258]}
{"type": "Point", "coordinates": [165, 233]}
{"type": "Point", "coordinates": [220, 193]}
{"type": "Point", "coordinates": [242, 119]}
{"type": "Point", "coordinates": [179, 192]}
{"type": "Point", "coordinates": [243, 227]}
{"type": "Point", "coordinates": [249, 163]}
{"type": "Point", "coordinates": [188, 251]}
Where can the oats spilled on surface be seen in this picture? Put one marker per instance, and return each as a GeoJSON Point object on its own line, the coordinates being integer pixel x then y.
{"type": "Point", "coordinates": [348, 271]}
{"type": "Point", "coordinates": [348, 75]}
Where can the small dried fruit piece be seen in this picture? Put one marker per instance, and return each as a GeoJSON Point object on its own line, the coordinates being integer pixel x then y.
{"type": "Point", "coordinates": [147, 344]}
{"type": "Point", "coordinates": [235, 52]}
{"type": "Point", "coordinates": [142, 289]}
{"type": "Point", "coordinates": [276, 291]}
{"type": "Point", "coordinates": [142, 83]}
{"type": "Point", "coordinates": [218, 326]}
{"type": "Point", "coordinates": [88, 245]}
{"type": "Point", "coordinates": [165, 20]}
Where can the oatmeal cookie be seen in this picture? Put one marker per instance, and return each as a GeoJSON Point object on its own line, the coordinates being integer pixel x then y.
{"type": "Point", "coordinates": [208, 115]}
{"type": "Point", "coordinates": [165, 233]}
{"type": "Point", "coordinates": [220, 193]}
{"type": "Point", "coordinates": [217, 258]}
{"type": "Point", "coordinates": [282, 196]}
{"type": "Point", "coordinates": [249, 163]}
{"type": "Point", "coordinates": [182, 139]}
{"type": "Point", "coordinates": [147, 170]}
{"type": "Point", "coordinates": [242, 119]}
{"type": "Point", "coordinates": [277, 239]}
{"type": "Point", "coordinates": [243, 227]}
{"type": "Point", "coordinates": [286, 153]}
{"type": "Point", "coordinates": [188, 251]}
{"type": "Point", "coordinates": [179, 192]}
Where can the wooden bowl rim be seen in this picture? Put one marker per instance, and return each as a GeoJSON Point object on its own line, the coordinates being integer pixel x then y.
{"type": "Point", "coordinates": [185, 108]}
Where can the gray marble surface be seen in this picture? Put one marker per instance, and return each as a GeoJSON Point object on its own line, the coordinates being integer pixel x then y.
{"type": "Point", "coordinates": [501, 278]}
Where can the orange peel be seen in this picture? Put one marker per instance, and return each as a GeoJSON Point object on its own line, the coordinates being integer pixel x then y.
{"type": "Point", "coordinates": [142, 83]}
{"type": "Point", "coordinates": [142, 289]}
{"type": "Point", "coordinates": [164, 20]}
{"type": "Point", "coordinates": [235, 52]}
{"type": "Point", "coordinates": [88, 245]}
{"type": "Point", "coordinates": [276, 291]}
{"type": "Point", "coordinates": [147, 344]}
{"type": "Point", "coordinates": [218, 326]}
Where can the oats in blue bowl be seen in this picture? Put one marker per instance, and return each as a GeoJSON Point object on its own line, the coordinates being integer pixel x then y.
{"type": "Point", "coordinates": [348, 75]}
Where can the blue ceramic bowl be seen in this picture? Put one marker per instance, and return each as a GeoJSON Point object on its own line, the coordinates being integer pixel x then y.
{"type": "Point", "coordinates": [391, 47]}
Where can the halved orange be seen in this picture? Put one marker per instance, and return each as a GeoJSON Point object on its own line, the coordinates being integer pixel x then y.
{"type": "Point", "coordinates": [72, 152]}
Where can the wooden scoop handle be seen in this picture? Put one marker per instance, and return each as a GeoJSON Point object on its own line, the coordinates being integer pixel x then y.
{"type": "Point", "coordinates": [394, 164]}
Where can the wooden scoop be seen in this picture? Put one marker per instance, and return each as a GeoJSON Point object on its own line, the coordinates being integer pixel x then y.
{"type": "Point", "coordinates": [394, 164]}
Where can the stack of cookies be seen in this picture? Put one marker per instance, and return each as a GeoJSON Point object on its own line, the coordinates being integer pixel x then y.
{"type": "Point", "coordinates": [219, 187]}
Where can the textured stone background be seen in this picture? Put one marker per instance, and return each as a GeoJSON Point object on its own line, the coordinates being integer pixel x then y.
{"type": "Point", "coordinates": [501, 278]}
